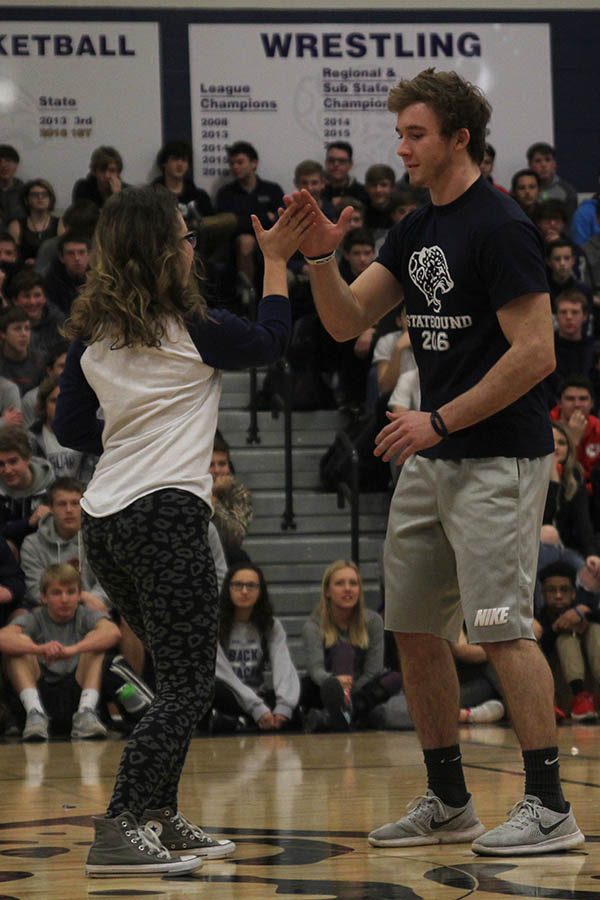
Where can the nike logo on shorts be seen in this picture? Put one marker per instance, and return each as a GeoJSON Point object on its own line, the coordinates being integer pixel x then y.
{"type": "Point", "coordinates": [550, 828]}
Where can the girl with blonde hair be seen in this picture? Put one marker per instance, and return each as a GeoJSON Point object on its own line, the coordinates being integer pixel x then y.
{"type": "Point", "coordinates": [343, 641]}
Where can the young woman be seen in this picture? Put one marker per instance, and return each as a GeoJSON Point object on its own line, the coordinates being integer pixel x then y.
{"type": "Point", "coordinates": [343, 642]}
{"type": "Point", "coordinates": [250, 639]}
{"type": "Point", "coordinates": [148, 353]}
{"type": "Point", "coordinates": [38, 199]}
{"type": "Point", "coordinates": [567, 512]}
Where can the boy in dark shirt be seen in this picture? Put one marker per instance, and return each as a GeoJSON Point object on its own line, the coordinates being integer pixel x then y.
{"type": "Point", "coordinates": [18, 362]}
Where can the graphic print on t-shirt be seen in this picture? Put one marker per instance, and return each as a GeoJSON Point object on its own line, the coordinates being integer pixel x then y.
{"type": "Point", "coordinates": [429, 271]}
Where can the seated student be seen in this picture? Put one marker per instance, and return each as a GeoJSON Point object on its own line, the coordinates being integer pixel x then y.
{"type": "Point", "coordinates": [574, 411]}
{"type": "Point", "coordinates": [354, 357]}
{"type": "Point", "coordinates": [560, 262]}
{"type": "Point", "coordinates": [480, 691]}
{"type": "Point", "coordinates": [404, 201]}
{"type": "Point", "coordinates": [525, 189]}
{"type": "Point", "coordinates": [79, 218]}
{"type": "Point", "coordinates": [24, 481]}
{"type": "Point", "coordinates": [38, 224]}
{"type": "Point", "coordinates": [486, 167]}
{"type": "Point", "coordinates": [340, 182]}
{"type": "Point", "coordinates": [12, 585]}
{"type": "Point", "coordinates": [343, 641]}
{"type": "Point", "coordinates": [569, 623]}
{"type": "Point", "coordinates": [393, 355]}
{"type": "Point", "coordinates": [379, 185]}
{"type": "Point", "coordinates": [58, 540]}
{"type": "Point", "coordinates": [67, 273]}
{"type": "Point", "coordinates": [9, 266]}
{"type": "Point", "coordinates": [104, 178]}
{"type": "Point", "coordinates": [250, 640]}
{"type": "Point", "coordinates": [541, 158]}
{"type": "Point", "coordinates": [54, 365]}
{"type": "Point", "coordinates": [54, 657]}
{"type": "Point", "coordinates": [11, 412]}
{"type": "Point", "coordinates": [573, 347]}
{"type": "Point", "coordinates": [18, 361]}
{"type": "Point", "coordinates": [10, 185]}
{"type": "Point", "coordinates": [28, 291]}
{"type": "Point", "coordinates": [567, 512]}
{"type": "Point", "coordinates": [309, 175]}
{"type": "Point", "coordinates": [64, 461]}
{"type": "Point", "coordinates": [232, 502]}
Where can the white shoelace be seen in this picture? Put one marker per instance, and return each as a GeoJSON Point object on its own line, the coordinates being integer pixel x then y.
{"type": "Point", "coordinates": [186, 827]}
{"type": "Point", "coordinates": [414, 807]}
{"type": "Point", "coordinates": [521, 814]}
{"type": "Point", "coordinates": [149, 841]}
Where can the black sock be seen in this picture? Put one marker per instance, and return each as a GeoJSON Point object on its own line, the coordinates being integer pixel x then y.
{"type": "Point", "coordinates": [542, 777]}
{"type": "Point", "coordinates": [445, 775]}
{"type": "Point", "coordinates": [576, 686]}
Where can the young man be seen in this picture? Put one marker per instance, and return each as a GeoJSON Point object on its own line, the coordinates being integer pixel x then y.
{"type": "Point", "coordinates": [8, 265]}
{"type": "Point", "coordinates": [574, 410]}
{"type": "Point", "coordinates": [573, 346]}
{"type": "Point", "coordinates": [561, 260]}
{"type": "Point", "coordinates": [29, 292]}
{"type": "Point", "coordinates": [68, 271]}
{"type": "Point", "coordinates": [340, 183]}
{"type": "Point", "coordinates": [18, 362]}
{"type": "Point", "coordinates": [55, 363]}
{"type": "Point", "coordinates": [24, 481]}
{"type": "Point", "coordinates": [10, 186]}
{"type": "Point", "coordinates": [57, 540]}
{"type": "Point", "coordinates": [379, 185]}
{"type": "Point", "coordinates": [247, 195]}
{"type": "Point", "coordinates": [486, 167]}
{"type": "Point", "coordinates": [471, 267]}
{"type": "Point", "coordinates": [568, 624]}
{"type": "Point", "coordinates": [104, 178]}
{"type": "Point", "coordinates": [54, 657]}
{"type": "Point", "coordinates": [541, 157]}
{"type": "Point", "coordinates": [525, 188]}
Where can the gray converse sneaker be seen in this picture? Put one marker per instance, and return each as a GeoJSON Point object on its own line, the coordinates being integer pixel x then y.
{"type": "Point", "coordinates": [36, 726]}
{"type": "Point", "coordinates": [178, 834]}
{"type": "Point", "coordinates": [531, 828]}
{"type": "Point", "coordinates": [122, 847]}
{"type": "Point", "coordinates": [429, 821]}
{"type": "Point", "coordinates": [87, 725]}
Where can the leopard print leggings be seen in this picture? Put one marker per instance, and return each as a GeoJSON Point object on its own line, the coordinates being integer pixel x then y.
{"type": "Point", "coordinates": [154, 562]}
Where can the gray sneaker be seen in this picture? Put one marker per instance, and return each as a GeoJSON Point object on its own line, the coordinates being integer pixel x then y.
{"type": "Point", "coordinates": [122, 847]}
{"type": "Point", "coordinates": [87, 725]}
{"type": "Point", "coordinates": [178, 834]}
{"type": "Point", "coordinates": [430, 821]}
{"type": "Point", "coordinates": [531, 828]}
{"type": "Point", "coordinates": [36, 726]}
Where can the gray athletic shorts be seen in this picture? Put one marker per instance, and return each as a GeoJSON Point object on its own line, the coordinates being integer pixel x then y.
{"type": "Point", "coordinates": [462, 543]}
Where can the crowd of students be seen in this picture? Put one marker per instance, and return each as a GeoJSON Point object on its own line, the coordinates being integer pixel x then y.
{"type": "Point", "coordinates": [57, 631]}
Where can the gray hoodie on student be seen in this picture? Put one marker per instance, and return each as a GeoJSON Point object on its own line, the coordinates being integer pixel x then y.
{"type": "Point", "coordinates": [46, 548]}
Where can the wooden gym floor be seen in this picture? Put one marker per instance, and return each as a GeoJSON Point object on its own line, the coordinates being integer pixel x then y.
{"type": "Point", "coordinates": [299, 808]}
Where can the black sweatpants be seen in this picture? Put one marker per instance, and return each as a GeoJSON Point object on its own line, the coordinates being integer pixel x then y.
{"type": "Point", "coordinates": [154, 562]}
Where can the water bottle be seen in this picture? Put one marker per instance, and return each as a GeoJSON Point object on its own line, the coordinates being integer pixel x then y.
{"type": "Point", "coordinates": [131, 699]}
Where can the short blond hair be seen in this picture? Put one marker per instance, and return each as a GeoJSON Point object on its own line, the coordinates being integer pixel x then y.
{"type": "Point", "coordinates": [63, 573]}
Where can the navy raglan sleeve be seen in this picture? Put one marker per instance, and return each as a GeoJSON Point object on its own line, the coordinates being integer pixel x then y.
{"type": "Point", "coordinates": [76, 424]}
{"type": "Point", "coordinates": [227, 341]}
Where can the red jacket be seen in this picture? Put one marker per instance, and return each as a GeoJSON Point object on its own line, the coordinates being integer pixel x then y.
{"type": "Point", "coordinates": [588, 452]}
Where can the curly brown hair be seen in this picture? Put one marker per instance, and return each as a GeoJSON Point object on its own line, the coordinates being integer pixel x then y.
{"type": "Point", "coordinates": [136, 284]}
{"type": "Point", "coordinates": [457, 104]}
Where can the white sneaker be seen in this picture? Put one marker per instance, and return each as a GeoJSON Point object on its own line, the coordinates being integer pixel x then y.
{"type": "Point", "coordinates": [36, 726]}
{"type": "Point", "coordinates": [531, 828]}
{"type": "Point", "coordinates": [484, 713]}
{"type": "Point", "coordinates": [430, 821]}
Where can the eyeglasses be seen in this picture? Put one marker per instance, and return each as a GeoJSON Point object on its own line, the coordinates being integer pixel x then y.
{"type": "Point", "coordinates": [191, 237]}
{"type": "Point", "coordinates": [248, 585]}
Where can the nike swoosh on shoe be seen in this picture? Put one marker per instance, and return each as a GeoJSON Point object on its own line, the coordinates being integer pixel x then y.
{"type": "Point", "coordinates": [435, 824]}
{"type": "Point", "coordinates": [550, 828]}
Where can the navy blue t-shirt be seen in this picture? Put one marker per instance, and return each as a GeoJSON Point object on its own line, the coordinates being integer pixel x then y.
{"type": "Point", "coordinates": [458, 264]}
